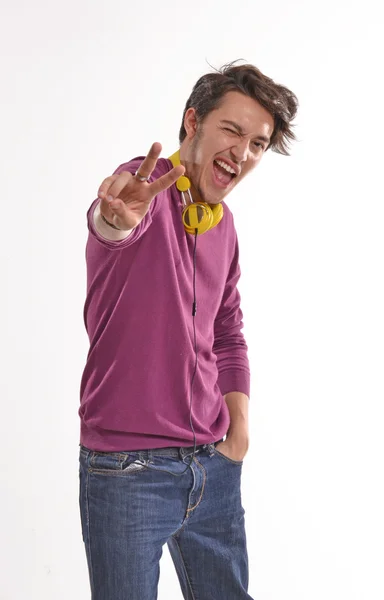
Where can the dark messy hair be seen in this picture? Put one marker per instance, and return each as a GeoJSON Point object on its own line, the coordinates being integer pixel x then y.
{"type": "Point", "coordinates": [278, 100]}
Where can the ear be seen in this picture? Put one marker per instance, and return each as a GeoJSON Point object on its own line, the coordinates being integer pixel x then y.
{"type": "Point", "coordinates": [190, 122]}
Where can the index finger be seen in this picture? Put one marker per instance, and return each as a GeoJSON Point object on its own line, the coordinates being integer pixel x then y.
{"type": "Point", "coordinates": [149, 162]}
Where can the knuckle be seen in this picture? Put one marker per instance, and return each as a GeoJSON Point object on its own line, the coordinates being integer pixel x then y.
{"type": "Point", "coordinates": [107, 182]}
{"type": "Point", "coordinates": [120, 183]}
{"type": "Point", "coordinates": [122, 178]}
{"type": "Point", "coordinates": [125, 175]}
{"type": "Point", "coordinates": [104, 185]}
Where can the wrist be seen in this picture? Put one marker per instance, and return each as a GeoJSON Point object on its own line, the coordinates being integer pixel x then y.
{"type": "Point", "coordinates": [238, 438]}
{"type": "Point", "coordinates": [105, 231]}
{"type": "Point", "coordinates": [108, 223]}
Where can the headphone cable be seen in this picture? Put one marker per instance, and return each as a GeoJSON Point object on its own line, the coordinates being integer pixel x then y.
{"type": "Point", "coordinates": [194, 310]}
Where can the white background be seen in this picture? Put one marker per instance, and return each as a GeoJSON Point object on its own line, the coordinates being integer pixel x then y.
{"type": "Point", "coordinates": [86, 86]}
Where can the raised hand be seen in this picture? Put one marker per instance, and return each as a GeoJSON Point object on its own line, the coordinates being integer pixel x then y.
{"type": "Point", "coordinates": [125, 198]}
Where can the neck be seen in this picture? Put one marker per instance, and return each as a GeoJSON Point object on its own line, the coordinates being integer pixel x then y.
{"type": "Point", "coordinates": [195, 194]}
{"type": "Point", "coordinates": [188, 169]}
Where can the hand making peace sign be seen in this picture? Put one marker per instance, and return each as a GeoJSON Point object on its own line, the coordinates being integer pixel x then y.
{"type": "Point", "coordinates": [126, 198]}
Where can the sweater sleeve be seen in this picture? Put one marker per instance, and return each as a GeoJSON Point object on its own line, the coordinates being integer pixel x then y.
{"type": "Point", "coordinates": [140, 229]}
{"type": "Point", "coordinates": [229, 343]}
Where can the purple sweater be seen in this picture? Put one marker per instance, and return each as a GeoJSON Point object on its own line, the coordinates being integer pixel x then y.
{"type": "Point", "coordinates": [135, 388]}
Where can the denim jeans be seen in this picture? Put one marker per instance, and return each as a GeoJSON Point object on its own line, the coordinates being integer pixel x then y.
{"type": "Point", "coordinates": [130, 507]}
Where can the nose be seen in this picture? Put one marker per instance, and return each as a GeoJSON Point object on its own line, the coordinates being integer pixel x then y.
{"type": "Point", "coordinates": [240, 150]}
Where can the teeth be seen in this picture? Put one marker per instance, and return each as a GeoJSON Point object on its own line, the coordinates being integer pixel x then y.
{"type": "Point", "coordinates": [226, 167]}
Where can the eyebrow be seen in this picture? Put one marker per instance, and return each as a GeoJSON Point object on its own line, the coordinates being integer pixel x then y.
{"type": "Point", "coordinates": [240, 130]}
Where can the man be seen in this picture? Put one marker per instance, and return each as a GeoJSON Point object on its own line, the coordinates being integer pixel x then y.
{"type": "Point", "coordinates": [167, 374]}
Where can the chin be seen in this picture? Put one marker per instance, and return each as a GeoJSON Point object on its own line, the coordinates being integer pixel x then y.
{"type": "Point", "coordinates": [212, 198]}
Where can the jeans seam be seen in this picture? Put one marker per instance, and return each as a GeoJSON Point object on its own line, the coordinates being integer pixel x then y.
{"type": "Point", "coordinates": [202, 487]}
{"type": "Point", "coordinates": [89, 531]}
{"type": "Point", "coordinates": [239, 463]}
{"type": "Point", "coordinates": [119, 472]}
{"type": "Point", "coordinates": [185, 569]}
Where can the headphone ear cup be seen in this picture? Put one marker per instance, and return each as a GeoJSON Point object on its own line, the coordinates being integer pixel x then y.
{"type": "Point", "coordinates": [217, 214]}
{"type": "Point", "coordinates": [197, 216]}
{"type": "Point", "coordinates": [202, 216]}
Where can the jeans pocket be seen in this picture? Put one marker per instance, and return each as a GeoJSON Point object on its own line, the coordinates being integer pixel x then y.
{"type": "Point", "coordinates": [115, 463]}
{"type": "Point", "coordinates": [239, 463]}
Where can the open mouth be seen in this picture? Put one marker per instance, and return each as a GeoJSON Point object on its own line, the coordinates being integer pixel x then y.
{"type": "Point", "coordinates": [224, 174]}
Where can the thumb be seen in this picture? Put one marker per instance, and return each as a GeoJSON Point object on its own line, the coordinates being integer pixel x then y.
{"type": "Point", "coordinates": [117, 208]}
{"type": "Point", "coordinates": [116, 205]}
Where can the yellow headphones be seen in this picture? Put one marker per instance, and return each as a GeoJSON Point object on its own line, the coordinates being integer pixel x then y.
{"type": "Point", "coordinates": [198, 216]}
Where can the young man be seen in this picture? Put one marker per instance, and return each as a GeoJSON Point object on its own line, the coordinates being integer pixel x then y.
{"type": "Point", "coordinates": [167, 374]}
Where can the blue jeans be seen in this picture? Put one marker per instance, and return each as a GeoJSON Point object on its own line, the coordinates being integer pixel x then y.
{"type": "Point", "coordinates": [130, 508]}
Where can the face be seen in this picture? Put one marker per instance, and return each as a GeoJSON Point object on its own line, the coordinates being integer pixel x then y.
{"type": "Point", "coordinates": [219, 152]}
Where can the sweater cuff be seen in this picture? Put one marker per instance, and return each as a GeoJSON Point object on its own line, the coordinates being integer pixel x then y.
{"type": "Point", "coordinates": [234, 381]}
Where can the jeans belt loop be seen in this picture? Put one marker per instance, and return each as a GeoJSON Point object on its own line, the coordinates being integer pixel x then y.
{"type": "Point", "coordinates": [211, 448]}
